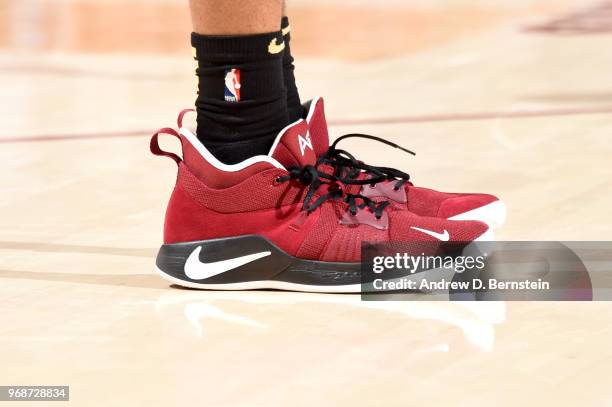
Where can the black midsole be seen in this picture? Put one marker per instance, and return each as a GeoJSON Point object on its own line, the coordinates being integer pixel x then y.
{"type": "Point", "coordinates": [278, 266]}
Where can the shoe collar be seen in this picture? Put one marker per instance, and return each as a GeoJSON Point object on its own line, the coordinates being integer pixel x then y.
{"type": "Point", "coordinates": [298, 144]}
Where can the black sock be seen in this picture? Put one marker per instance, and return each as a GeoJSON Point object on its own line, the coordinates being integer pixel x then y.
{"type": "Point", "coordinates": [296, 111]}
{"type": "Point", "coordinates": [240, 118]}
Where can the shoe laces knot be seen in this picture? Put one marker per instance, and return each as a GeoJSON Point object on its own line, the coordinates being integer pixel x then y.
{"type": "Point", "coordinates": [310, 177]}
{"type": "Point", "coordinates": [347, 168]}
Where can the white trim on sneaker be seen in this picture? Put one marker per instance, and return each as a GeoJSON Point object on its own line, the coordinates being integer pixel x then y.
{"type": "Point", "coordinates": [208, 156]}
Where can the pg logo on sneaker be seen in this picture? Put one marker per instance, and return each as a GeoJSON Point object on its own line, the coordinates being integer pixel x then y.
{"type": "Point", "coordinates": [232, 85]}
{"type": "Point", "coordinates": [305, 143]}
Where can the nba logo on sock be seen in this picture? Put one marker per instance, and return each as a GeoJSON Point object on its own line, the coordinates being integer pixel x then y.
{"type": "Point", "coordinates": [232, 85]}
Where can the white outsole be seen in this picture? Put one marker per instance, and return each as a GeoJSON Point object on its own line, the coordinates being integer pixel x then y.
{"type": "Point", "coordinates": [264, 285]}
{"type": "Point", "coordinates": [493, 214]}
{"type": "Point", "coordinates": [430, 275]}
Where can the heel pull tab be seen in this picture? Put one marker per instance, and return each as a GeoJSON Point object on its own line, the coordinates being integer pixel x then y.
{"type": "Point", "coordinates": [156, 149]}
{"type": "Point", "coordinates": [182, 114]}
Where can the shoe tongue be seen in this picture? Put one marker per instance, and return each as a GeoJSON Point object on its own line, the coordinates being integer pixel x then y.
{"type": "Point", "coordinates": [317, 126]}
{"type": "Point", "coordinates": [293, 146]}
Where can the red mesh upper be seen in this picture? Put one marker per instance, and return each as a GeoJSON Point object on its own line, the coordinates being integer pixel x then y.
{"type": "Point", "coordinates": [460, 203]}
{"type": "Point", "coordinates": [212, 176]}
{"type": "Point", "coordinates": [345, 245]}
{"type": "Point", "coordinates": [257, 192]}
{"type": "Point", "coordinates": [318, 127]}
{"type": "Point", "coordinates": [423, 201]}
{"type": "Point", "coordinates": [294, 148]}
{"type": "Point", "coordinates": [319, 235]}
{"type": "Point", "coordinates": [258, 206]}
{"type": "Point", "coordinates": [428, 202]}
{"type": "Point", "coordinates": [284, 156]}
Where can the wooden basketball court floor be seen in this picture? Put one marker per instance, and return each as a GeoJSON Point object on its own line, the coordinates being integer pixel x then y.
{"type": "Point", "coordinates": [508, 97]}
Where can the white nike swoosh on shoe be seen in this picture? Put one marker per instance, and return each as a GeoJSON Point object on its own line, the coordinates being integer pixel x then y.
{"type": "Point", "coordinates": [440, 236]}
{"type": "Point", "coordinates": [197, 270]}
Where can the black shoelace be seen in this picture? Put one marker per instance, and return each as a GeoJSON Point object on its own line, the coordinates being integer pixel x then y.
{"type": "Point", "coordinates": [309, 176]}
{"type": "Point", "coordinates": [347, 168]}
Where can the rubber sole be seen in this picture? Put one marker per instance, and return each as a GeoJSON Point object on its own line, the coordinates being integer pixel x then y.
{"type": "Point", "coordinates": [252, 262]}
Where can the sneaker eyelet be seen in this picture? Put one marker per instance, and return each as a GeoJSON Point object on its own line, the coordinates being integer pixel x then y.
{"type": "Point", "coordinates": [396, 189]}
{"type": "Point", "coordinates": [372, 186]}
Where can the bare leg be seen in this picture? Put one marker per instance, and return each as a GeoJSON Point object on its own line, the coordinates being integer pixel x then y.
{"type": "Point", "coordinates": [235, 17]}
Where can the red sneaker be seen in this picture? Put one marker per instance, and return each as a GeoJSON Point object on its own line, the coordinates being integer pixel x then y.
{"type": "Point", "coordinates": [394, 185]}
{"type": "Point", "coordinates": [274, 222]}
